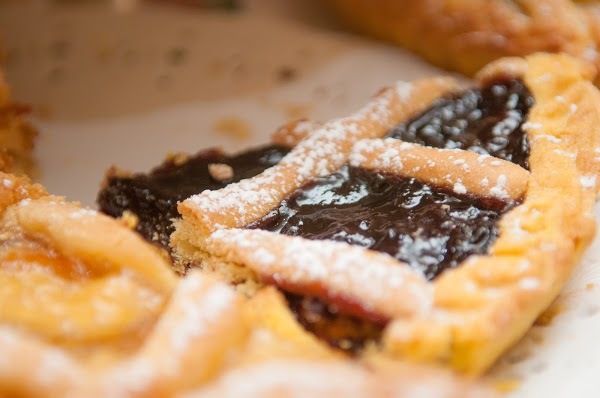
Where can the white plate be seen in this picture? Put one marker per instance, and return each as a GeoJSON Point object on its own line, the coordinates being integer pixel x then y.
{"type": "Point", "coordinates": [128, 89]}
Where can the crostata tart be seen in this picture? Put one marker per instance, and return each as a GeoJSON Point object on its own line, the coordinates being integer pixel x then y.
{"type": "Point", "coordinates": [434, 225]}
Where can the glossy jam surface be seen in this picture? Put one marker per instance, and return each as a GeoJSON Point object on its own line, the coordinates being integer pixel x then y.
{"type": "Point", "coordinates": [428, 228]}
{"type": "Point", "coordinates": [487, 121]}
{"type": "Point", "coordinates": [153, 197]}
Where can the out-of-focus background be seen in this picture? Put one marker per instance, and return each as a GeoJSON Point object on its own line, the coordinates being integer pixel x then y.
{"type": "Point", "coordinates": [127, 84]}
{"type": "Point", "coordinates": [128, 87]}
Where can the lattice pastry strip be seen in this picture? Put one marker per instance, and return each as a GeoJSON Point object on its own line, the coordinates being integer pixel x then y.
{"type": "Point", "coordinates": [453, 169]}
{"type": "Point", "coordinates": [325, 150]}
{"type": "Point", "coordinates": [329, 270]}
{"type": "Point", "coordinates": [471, 313]}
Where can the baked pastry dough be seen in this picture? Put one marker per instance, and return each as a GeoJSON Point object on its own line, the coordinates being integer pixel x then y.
{"type": "Point", "coordinates": [91, 310]}
{"type": "Point", "coordinates": [465, 35]}
{"type": "Point", "coordinates": [474, 310]}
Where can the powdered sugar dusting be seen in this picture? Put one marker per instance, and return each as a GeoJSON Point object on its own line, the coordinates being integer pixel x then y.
{"type": "Point", "coordinates": [393, 288]}
{"type": "Point", "coordinates": [499, 190]}
{"type": "Point", "coordinates": [197, 317]}
{"type": "Point", "coordinates": [588, 182]}
{"type": "Point", "coordinates": [567, 154]}
{"type": "Point", "coordinates": [532, 126]}
{"type": "Point", "coordinates": [456, 169]}
{"type": "Point", "coordinates": [459, 188]}
{"type": "Point", "coordinates": [82, 213]}
{"type": "Point", "coordinates": [24, 202]}
{"type": "Point", "coordinates": [546, 137]}
{"type": "Point", "coordinates": [529, 283]}
{"type": "Point", "coordinates": [196, 307]}
{"type": "Point", "coordinates": [325, 150]}
{"type": "Point", "coordinates": [572, 108]}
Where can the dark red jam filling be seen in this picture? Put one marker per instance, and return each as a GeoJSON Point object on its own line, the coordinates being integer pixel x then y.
{"type": "Point", "coordinates": [346, 332]}
{"type": "Point", "coordinates": [488, 121]}
{"type": "Point", "coordinates": [430, 229]}
{"type": "Point", "coordinates": [153, 197]}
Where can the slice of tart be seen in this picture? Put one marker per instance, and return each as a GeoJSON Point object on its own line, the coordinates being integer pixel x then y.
{"type": "Point", "coordinates": [435, 224]}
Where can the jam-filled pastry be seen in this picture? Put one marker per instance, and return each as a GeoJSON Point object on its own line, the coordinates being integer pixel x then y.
{"type": "Point", "coordinates": [433, 225]}
{"type": "Point", "coordinates": [16, 135]}
{"type": "Point", "coordinates": [151, 199]}
{"type": "Point", "coordinates": [89, 309]}
{"type": "Point", "coordinates": [464, 35]}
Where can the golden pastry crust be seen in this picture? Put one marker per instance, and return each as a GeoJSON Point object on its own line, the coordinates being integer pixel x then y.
{"type": "Point", "coordinates": [480, 175]}
{"type": "Point", "coordinates": [470, 314]}
{"type": "Point", "coordinates": [293, 132]}
{"type": "Point", "coordinates": [465, 35]}
{"type": "Point", "coordinates": [16, 135]}
{"type": "Point", "coordinates": [92, 310]}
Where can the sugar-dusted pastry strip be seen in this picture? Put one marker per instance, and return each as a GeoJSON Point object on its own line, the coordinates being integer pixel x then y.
{"type": "Point", "coordinates": [293, 132]}
{"type": "Point", "coordinates": [333, 271]}
{"type": "Point", "coordinates": [200, 326]}
{"type": "Point", "coordinates": [460, 171]}
{"type": "Point", "coordinates": [325, 150]}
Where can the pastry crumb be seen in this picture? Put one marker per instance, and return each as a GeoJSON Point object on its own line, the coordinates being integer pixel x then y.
{"type": "Point", "coordinates": [590, 286]}
{"type": "Point", "coordinates": [130, 219]}
{"type": "Point", "coordinates": [233, 127]}
{"type": "Point", "coordinates": [220, 171]}
{"type": "Point", "coordinates": [178, 158]}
